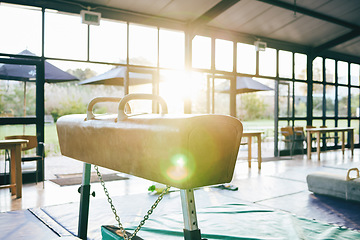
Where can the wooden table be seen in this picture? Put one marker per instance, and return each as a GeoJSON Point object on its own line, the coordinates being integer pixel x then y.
{"type": "Point", "coordinates": [319, 131]}
{"type": "Point", "coordinates": [249, 135]}
{"type": "Point", "coordinates": [15, 165]}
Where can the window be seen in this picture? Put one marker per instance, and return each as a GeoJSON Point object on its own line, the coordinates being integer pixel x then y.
{"type": "Point", "coordinates": [317, 100]}
{"type": "Point", "coordinates": [221, 99]}
{"type": "Point", "coordinates": [300, 99]}
{"type": "Point", "coordinates": [17, 98]}
{"type": "Point", "coordinates": [143, 45]}
{"type": "Point", "coordinates": [343, 101]}
{"type": "Point", "coordinates": [267, 62]}
{"type": "Point", "coordinates": [355, 124]}
{"type": "Point", "coordinates": [342, 72]}
{"type": "Point", "coordinates": [330, 70]}
{"type": "Point", "coordinates": [200, 97]}
{"type": "Point", "coordinates": [174, 89]}
{"type": "Point", "coordinates": [300, 66]}
{"type": "Point", "coordinates": [246, 58]}
{"type": "Point", "coordinates": [201, 52]}
{"type": "Point", "coordinates": [285, 99]}
{"type": "Point", "coordinates": [20, 28]}
{"type": "Point", "coordinates": [108, 42]}
{"type": "Point", "coordinates": [224, 55]}
{"type": "Point", "coordinates": [355, 102]}
{"type": "Point", "coordinates": [285, 64]}
{"type": "Point", "coordinates": [172, 49]}
{"type": "Point", "coordinates": [354, 74]}
{"type": "Point", "coordinates": [318, 69]}
{"type": "Point", "coordinates": [65, 36]}
{"type": "Point", "coordinates": [330, 100]}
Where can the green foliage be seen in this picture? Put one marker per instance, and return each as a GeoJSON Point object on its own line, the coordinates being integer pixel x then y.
{"type": "Point", "coordinates": [2, 104]}
{"type": "Point", "coordinates": [252, 107]}
{"type": "Point", "coordinates": [354, 104]}
{"type": "Point", "coordinates": [69, 106]}
{"type": "Point", "coordinates": [13, 99]}
{"type": "Point", "coordinates": [300, 109]}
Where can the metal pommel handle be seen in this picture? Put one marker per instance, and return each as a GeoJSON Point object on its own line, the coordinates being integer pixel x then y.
{"type": "Point", "coordinates": [89, 111]}
{"type": "Point", "coordinates": [140, 96]}
{"type": "Point", "coordinates": [348, 174]}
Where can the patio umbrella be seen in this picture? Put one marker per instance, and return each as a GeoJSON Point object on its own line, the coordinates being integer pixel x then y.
{"type": "Point", "coordinates": [117, 76]}
{"type": "Point", "coordinates": [27, 73]}
{"type": "Point", "coordinates": [246, 85]}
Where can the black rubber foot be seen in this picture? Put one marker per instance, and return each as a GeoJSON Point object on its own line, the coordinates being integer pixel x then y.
{"type": "Point", "coordinates": [192, 235]}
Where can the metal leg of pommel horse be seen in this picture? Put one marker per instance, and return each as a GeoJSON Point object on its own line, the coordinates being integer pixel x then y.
{"type": "Point", "coordinates": [191, 230]}
{"type": "Point", "coordinates": [84, 202]}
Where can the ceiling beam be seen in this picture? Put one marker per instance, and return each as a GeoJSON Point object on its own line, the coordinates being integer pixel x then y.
{"type": "Point", "coordinates": [212, 13]}
{"type": "Point", "coordinates": [311, 13]}
{"type": "Point", "coordinates": [346, 37]}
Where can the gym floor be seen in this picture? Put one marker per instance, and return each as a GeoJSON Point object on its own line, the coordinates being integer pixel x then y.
{"type": "Point", "coordinates": [280, 184]}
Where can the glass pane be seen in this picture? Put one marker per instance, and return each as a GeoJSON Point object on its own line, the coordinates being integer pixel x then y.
{"type": "Point", "coordinates": [200, 93]}
{"type": "Point", "coordinates": [317, 122]}
{"type": "Point", "coordinates": [330, 101]}
{"type": "Point", "coordinates": [355, 110]}
{"type": "Point", "coordinates": [143, 88]}
{"type": "Point", "coordinates": [300, 66]}
{"type": "Point", "coordinates": [318, 69]}
{"type": "Point", "coordinates": [267, 62]}
{"type": "Point", "coordinates": [224, 55]}
{"type": "Point", "coordinates": [354, 71]}
{"type": "Point", "coordinates": [65, 36]}
{"type": "Point", "coordinates": [317, 100]}
{"type": "Point", "coordinates": [263, 101]}
{"type": "Point", "coordinates": [141, 106]}
{"type": "Point", "coordinates": [174, 89]}
{"type": "Point", "coordinates": [342, 72]}
{"type": "Point", "coordinates": [8, 130]}
{"type": "Point", "coordinates": [143, 45]}
{"type": "Point", "coordinates": [172, 49]}
{"type": "Point", "coordinates": [221, 100]}
{"type": "Point", "coordinates": [246, 58]}
{"type": "Point", "coordinates": [330, 123]}
{"type": "Point", "coordinates": [343, 101]}
{"type": "Point", "coordinates": [17, 98]}
{"type": "Point", "coordinates": [330, 70]}
{"type": "Point", "coordinates": [299, 123]}
{"type": "Point", "coordinates": [285, 99]}
{"type": "Point", "coordinates": [285, 64]}
{"type": "Point", "coordinates": [355, 124]}
{"type": "Point", "coordinates": [201, 52]}
{"type": "Point", "coordinates": [21, 29]}
{"type": "Point", "coordinates": [108, 42]}
{"type": "Point", "coordinates": [342, 123]}
{"type": "Point", "coordinates": [300, 99]}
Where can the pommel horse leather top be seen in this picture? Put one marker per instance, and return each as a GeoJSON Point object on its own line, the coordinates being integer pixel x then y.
{"type": "Point", "coordinates": [184, 151]}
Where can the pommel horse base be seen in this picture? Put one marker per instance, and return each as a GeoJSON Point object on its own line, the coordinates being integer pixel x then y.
{"type": "Point", "coordinates": [182, 151]}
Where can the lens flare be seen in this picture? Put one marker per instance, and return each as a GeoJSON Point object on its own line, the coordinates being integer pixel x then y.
{"type": "Point", "coordinates": [180, 168]}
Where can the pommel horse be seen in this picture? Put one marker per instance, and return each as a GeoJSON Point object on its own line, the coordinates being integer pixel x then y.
{"type": "Point", "coordinates": [183, 151]}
